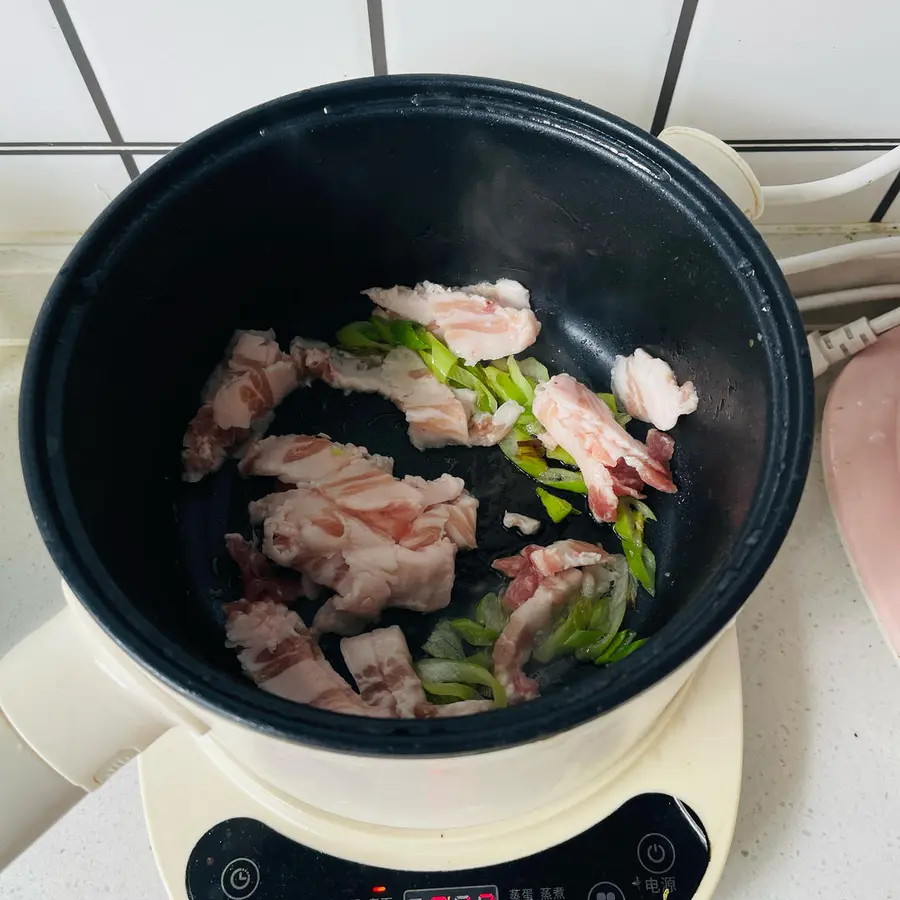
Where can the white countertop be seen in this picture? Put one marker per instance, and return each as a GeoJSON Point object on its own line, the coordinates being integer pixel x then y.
{"type": "Point", "coordinates": [820, 809]}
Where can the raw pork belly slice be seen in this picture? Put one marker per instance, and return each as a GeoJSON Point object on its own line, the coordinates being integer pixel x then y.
{"type": "Point", "coordinates": [543, 579]}
{"type": "Point", "coordinates": [647, 388]}
{"type": "Point", "coordinates": [238, 401]}
{"type": "Point", "coordinates": [305, 459]}
{"type": "Point", "coordinates": [282, 657]}
{"type": "Point", "coordinates": [533, 564]}
{"type": "Point", "coordinates": [567, 554]}
{"type": "Point", "coordinates": [436, 414]}
{"type": "Point", "coordinates": [351, 526]}
{"type": "Point", "coordinates": [516, 642]}
{"type": "Point", "coordinates": [480, 321]}
{"type": "Point", "coordinates": [259, 581]}
{"type": "Point", "coordinates": [381, 665]}
{"type": "Point", "coordinates": [577, 420]}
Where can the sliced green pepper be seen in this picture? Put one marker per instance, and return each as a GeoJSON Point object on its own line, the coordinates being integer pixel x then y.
{"type": "Point", "coordinates": [473, 633]}
{"type": "Point", "coordinates": [445, 670]}
{"type": "Point", "coordinates": [444, 642]}
{"type": "Point", "coordinates": [630, 518]}
{"type": "Point", "coordinates": [610, 400]}
{"type": "Point", "coordinates": [534, 370]}
{"type": "Point", "coordinates": [614, 644]}
{"type": "Point", "coordinates": [557, 508]}
{"type": "Point", "coordinates": [563, 480]}
{"type": "Point", "coordinates": [562, 456]}
{"type": "Point", "coordinates": [464, 377]}
{"type": "Point", "coordinates": [447, 691]}
{"type": "Point", "coordinates": [575, 620]}
{"type": "Point", "coordinates": [408, 334]}
{"type": "Point", "coordinates": [519, 380]}
{"type": "Point", "coordinates": [595, 649]}
{"type": "Point", "coordinates": [361, 336]}
{"type": "Point", "coordinates": [518, 447]}
{"type": "Point", "coordinates": [438, 357]}
{"type": "Point", "coordinates": [481, 658]}
{"type": "Point", "coordinates": [383, 326]}
{"type": "Point", "coordinates": [490, 612]}
{"type": "Point", "coordinates": [503, 386]}
{"type": "Point", "coordinates": [627, 649]}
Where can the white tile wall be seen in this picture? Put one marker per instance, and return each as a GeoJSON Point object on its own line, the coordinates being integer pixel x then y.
{"type": "Point", "coordinates": [170, 68]}
{"type": "Point", "coordinates": [793, 167]}
{"type": "Point", "coordinates": [42, 95]}
{"type": "Point", "coordinates": [145, 162]}
{"type": "Point", "coordinates": [765, 70]}
{"type": "Point", "coordinates": [802, 69]}
{"type": "Point", "coordinates": [893, 213]}
{"type": "Point", "coordinates": [610, 54]}
{"type": "Point", "coordinates": [56, 193]}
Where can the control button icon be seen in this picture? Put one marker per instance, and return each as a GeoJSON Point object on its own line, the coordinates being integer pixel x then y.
{"type": "Point", "coordinates": [656, 853]}
{"type": "Point", "coordinates": [240, 879]}
{"type": "Point", "coordinates": [605, 890]}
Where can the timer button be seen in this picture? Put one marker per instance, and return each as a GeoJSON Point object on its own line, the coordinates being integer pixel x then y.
{"type": "Point", "coordinates": [605, 890]}
{"type": "Point", "coordinates": [656, 853]}
{"type": "Point", "coordinates": [240, 879]}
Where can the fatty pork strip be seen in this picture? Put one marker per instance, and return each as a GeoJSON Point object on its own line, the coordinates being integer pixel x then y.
{"type": "Point", "coordinates": [280, 654]}
{"type": "Point", "coordinates": [349, 525]}
{"type": "Point", "coordinates": [534, 563]}
{"type": "Point", "coordinates": [612, 462]}
{"type": "Point", "coordinates": [648, 390]}
{"type": "Point", "coordinates": [543, 580]}
{"type": "Point", "coordinates": [479, 321]}
{"type": "Point", "coordinates": [363, 486]}
{"type": "Point", "coordinates": [238, 401]}
{"type": "Point", "coordinates": [259, 581]}
{"type": "Point", "coordinates": [514, 646]}
{"type": "Point", "coordinates": [381, 665]}
{"type": "Point", "coordinates": [437, 415]}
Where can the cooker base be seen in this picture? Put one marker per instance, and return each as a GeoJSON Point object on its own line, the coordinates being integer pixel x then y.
{"type": "Point", "coordinates": [665, 824]}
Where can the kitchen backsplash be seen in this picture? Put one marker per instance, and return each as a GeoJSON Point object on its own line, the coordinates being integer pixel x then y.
{"type": "Point", "coordinates": [92, 92]}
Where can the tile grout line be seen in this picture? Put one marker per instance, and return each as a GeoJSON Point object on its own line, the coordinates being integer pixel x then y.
{"type": "Point", "coordinates": [110, 150]}
{"type": "Point", "coordinates": [376, 37]}
{"type": "Point", "coordinates": [673, 66]}
{"type": "Point", "coordinates": [767, 145]}
{"type": "Point", "coordinates": [79, 55]}
{"type": "Point", "coordinates": [887, 201]}
{"type": "Point", "coordinates": [846, 145]}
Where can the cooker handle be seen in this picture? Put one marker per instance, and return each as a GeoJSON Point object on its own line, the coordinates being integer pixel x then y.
{"type": "Point", "coordinates": [72, 712]}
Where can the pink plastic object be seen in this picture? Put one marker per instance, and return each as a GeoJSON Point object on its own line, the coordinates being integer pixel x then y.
{"type": "Point", "coordinates": [861, 455]}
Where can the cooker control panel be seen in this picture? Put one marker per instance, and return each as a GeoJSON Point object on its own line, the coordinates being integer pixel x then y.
{"type": "Point", "coordinates": [654, 847]}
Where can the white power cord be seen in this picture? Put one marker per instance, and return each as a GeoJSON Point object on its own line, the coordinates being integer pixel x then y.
{"type": "Point", "coordinates": [830, 256]}
{"type": "Point", "coordinates": [827, 349]}
{"type": "Point", "coordinates": [850, 295]}
{"type": "Point", "coordinates": [887, 321]}
{"type": "Point", "coordinates": [836, 186]}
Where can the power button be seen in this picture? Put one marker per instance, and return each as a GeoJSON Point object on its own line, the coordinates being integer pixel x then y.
{"type": "Point", "coordinates": [656, 853]}
{"type": "Point", "coordinates": [240, 879]}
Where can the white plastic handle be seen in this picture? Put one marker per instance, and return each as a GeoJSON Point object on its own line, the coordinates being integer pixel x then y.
{"type": "Point", "coordinates": [73, 710]}
{"type": "Point", "coordinates": [721, 164]}
{"type": "Point", "coordinates": [32, 795]}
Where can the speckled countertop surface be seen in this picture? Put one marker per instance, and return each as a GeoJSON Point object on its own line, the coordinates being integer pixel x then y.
{"type": "Point", "coordinates": [820, 808]}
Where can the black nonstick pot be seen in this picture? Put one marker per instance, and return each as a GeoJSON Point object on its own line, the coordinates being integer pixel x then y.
{"type": "Point", "coordinates": [278, 218]}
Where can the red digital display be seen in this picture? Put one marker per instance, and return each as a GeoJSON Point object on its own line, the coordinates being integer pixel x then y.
{"type": "Point", "coordinates": [379, 889]}
{"type": "Point", "coordinates": [479, 892]}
